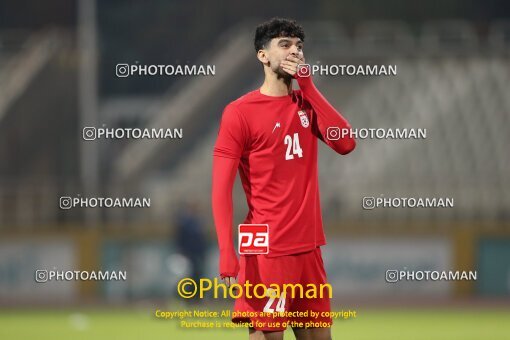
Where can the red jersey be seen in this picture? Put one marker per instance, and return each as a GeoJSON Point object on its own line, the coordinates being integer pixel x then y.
{"type": "Point", "coordinates": [274, 139]}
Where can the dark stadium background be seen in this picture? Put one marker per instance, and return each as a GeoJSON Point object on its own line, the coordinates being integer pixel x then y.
{"type": "Point", "coordinates": [57, 75]}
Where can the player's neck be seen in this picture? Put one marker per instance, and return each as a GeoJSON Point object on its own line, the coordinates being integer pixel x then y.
{"type": "Point", "coordinates": [276, 86]}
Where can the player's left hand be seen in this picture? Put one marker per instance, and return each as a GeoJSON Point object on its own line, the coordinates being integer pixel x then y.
{"type": "Point", "coordinates": [229, 281]}
{"type": "Point", "coordinates": [290, 64]}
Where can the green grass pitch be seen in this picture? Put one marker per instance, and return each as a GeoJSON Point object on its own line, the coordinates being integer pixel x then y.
{"type": "Point", "coordinates": [369, 324]}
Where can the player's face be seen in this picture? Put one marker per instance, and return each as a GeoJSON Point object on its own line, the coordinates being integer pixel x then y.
{"type": "Point", "coordinates": [279, 49]}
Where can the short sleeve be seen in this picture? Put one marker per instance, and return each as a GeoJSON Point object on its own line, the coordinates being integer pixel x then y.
{"type": "Point", "coordinates": [231, 139]}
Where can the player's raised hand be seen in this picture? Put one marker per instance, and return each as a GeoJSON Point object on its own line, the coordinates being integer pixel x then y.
{"type": "Point", "coordinates": [290, 64]}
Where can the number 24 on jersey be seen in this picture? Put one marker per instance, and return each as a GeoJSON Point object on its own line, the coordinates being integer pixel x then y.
{"type": "Point", "coordinates": [293, 147]}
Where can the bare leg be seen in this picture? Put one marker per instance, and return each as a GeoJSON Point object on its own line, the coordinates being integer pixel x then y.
{"type": "Point", "coordinates": [265, 335]}
{"type": "Point", "coordinates": [312, 333]}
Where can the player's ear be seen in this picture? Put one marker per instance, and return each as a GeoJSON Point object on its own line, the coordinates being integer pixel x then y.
{"type": "Point", "coordinates": [262, 56]}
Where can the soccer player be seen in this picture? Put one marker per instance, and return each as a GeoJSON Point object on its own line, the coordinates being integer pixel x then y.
{"type": "Point", "coordinates": [270, 135]}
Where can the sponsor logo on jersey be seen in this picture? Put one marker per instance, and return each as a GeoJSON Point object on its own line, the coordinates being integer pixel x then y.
{"type": "Point", "coordinates": [253, 239]}
{"type": "Point", "coordinates": [303, 118]}
{"type": "Point", "coordinates": [277, 125]}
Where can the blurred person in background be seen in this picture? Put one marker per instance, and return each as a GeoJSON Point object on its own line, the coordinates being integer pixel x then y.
{"type": "Point", "coordinates": [190, 238]}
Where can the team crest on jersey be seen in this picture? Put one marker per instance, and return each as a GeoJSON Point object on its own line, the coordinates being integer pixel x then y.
{"type": "Point", "coordinates": [303, 118]}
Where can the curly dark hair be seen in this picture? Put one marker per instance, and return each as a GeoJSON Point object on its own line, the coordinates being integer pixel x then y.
{"type": "Point", "coordinates": [275, 28]}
